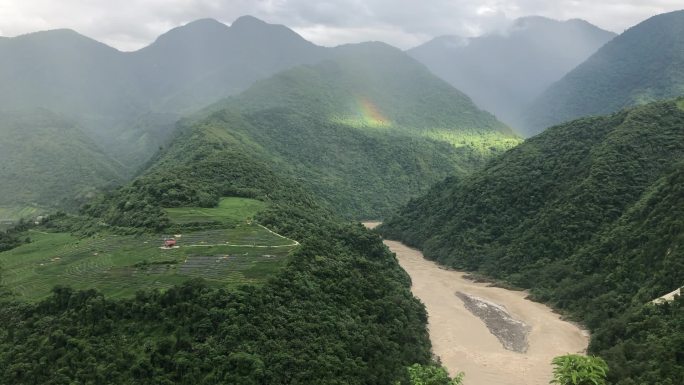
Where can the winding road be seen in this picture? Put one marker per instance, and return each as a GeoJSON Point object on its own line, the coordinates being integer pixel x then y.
{"type": "Point", "coordinates": [463, 341]}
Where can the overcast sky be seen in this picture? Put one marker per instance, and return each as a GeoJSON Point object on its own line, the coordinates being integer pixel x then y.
{"type": "Point", "coordinates": [131, 24]}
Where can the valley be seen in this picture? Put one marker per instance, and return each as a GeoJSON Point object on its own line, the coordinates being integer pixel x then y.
{"type": "Point", "coordinates": [191, 212]}
{"type": "Point", "coordinates": [463, 342]}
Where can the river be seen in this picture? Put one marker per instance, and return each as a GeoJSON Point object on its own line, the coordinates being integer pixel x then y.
{"type": "Point", "coordinates": [464, 316]}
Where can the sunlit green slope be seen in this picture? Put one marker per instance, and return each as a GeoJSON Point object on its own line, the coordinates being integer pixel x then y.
{"type": "Point", "coordinates": [366, 130]}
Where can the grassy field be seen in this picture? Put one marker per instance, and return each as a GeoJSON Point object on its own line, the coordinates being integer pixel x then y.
{"type": "Point", "coordinates": [228, 210]}
{"type": "Point", "coordinates": [121, 265]}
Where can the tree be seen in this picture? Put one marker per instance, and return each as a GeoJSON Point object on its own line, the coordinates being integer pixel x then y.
{"type": "Point", "coordinates": [432, 375]}
{"type": "Point", "coordinates": [575, 369]}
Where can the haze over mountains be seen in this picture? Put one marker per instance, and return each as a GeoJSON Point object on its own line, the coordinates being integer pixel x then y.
{"type": "Point", "coordinates": [365, 130]}
{"type": "Point", "coordinates": [48, 160]}
{"type": "Point", "coordinates": [644, 64]}
{"type": "Point", "coordinates": [109, 92]}
{"type": "Point", "coordinates": [503, 71]}
{"type": "Point", "coordinates": [125, 103]}
{"type": "Point", "coordinates": [128, 103]}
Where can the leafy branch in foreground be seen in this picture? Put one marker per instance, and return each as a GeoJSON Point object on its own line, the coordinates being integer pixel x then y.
{"type": "Point", "coordinates": [575, 369]}
{"type": "Point", "coordinates": [432, 375]}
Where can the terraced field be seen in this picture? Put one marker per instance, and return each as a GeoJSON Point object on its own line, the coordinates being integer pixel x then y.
{"type": "Point", "coordinates": [9, 215]}
{"type": "Point", "coordinates": [246, 253]}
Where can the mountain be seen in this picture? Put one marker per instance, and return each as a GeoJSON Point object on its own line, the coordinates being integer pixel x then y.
{"type": "Point", "coordinates": [643, 64]}
{"type": "Point", "coordinates": [201, 62]}
{"type": "Point", "coordinates": [505, 71]}
{"type": "Point", "coordinates": [588, 215]}
{"type": "Point", "coordinates": [106, 90]}
{"type": "Point", "coordinates": [365, 130]}
{"type": "Point", "coordinates": [339, 310]}
{"type": "Point", "coordinates": [127, 103]}
{"type": "Point", "coordinates": [47, 161]}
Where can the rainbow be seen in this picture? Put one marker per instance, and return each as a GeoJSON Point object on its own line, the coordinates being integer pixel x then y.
{"type": "Point", "coordinates": [362, 113]}
{"type": "Point", "coordinates": [370, 113]}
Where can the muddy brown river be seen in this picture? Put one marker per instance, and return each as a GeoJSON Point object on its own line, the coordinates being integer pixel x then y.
{"type": "Point", "coordinates": [494, 335]}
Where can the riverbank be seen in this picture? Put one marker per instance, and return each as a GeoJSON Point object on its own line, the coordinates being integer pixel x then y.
{"type": "Point", "coordinates": [464, 342]}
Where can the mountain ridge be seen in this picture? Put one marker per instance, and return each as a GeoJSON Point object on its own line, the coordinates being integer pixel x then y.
{"type": "Point", "coordinates": [346, 124]}
{"type": "Point", "coordinates": [641, 65]}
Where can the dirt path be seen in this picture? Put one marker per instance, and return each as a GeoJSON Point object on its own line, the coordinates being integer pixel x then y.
{"type": "Point", "coordinates": [463, 341]}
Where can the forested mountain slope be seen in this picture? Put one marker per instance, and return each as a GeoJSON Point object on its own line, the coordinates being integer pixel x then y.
{"type": "Point", "coordinates": [45, 158]}
{"type": "Point", "coordinates": [340, 312]}
{"type": "Point", "coordinates": [368, 124]}
{"type": "Point", "coordinates": [127, 103]}
{"type": "Point", "coordinates": [588, 215]}
{"type": "Point", "coordinates": [643, 64]}
{"type": "Point", "coordinates": [365, 130]}
{"type": "Point", "coordinates": [503, 71]}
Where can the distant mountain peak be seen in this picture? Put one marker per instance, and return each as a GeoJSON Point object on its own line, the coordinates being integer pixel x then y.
{"type": "Point", "coordinates": [206, 25]}
{"type": "Point", "coordinates": [543, 21]}
{"type": "Point", "coordinates": [205, 22]}
{"type": "Point", "coordinates": [189, 34]}
{"type": "Point", "coordinates": [535, 19]}
{"type": "Point", "coordinates": [250, 25]}
{"type": "Point", "coordinates": [59, 32]}
{"type": "Point", "coordinates": [59, 39]}
{"type": "Point", "coordinates": [248, 20]}
{"type": "Point", "coordinates": [369, 46]}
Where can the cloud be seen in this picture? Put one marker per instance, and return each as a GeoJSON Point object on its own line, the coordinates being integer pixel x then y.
{"type": "Point", "coordinates": [404, 23]}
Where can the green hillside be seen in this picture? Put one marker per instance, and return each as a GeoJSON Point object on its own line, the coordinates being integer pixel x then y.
{"type": "Point", "coordinates": [339, 311]}
{"type": "Point", "coordinates": [47, 161]}
{"type": "Point", "coordinates": [365, 131]}
{"type": "Point", "coordinates": [643, 64]}
{"type": "Point", "coordinates": [588, 215]}
{"type": "Point", "coordinates": [220, 245]}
